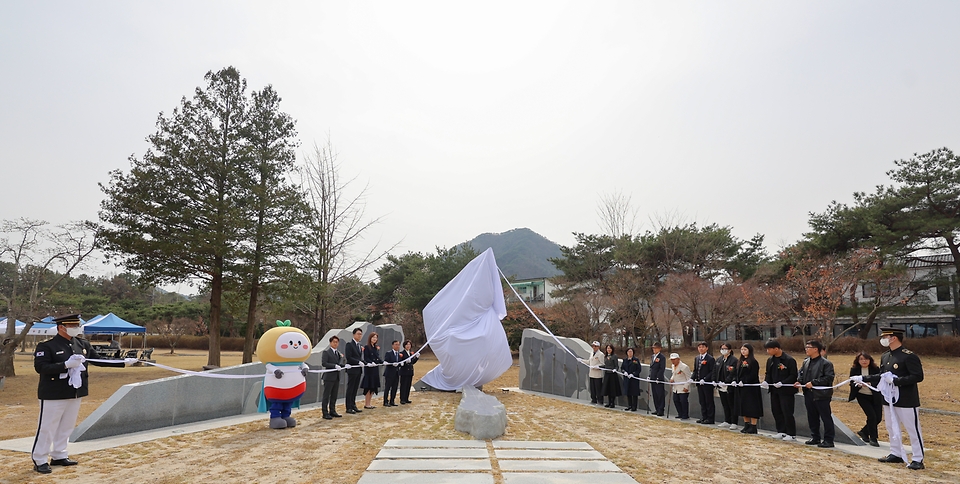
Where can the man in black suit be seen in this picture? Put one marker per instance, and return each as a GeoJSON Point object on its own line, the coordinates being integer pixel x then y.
{"type": "Point", "coordinates": [330, 360]}
{"type": "Point", "coordinates": [391, 375]}
{"type": "Point", "coordinates": [658, 363]}
{"type": "Point", "coordinates": [703, 369]}
{"type": "Point", "coordinates": [782, 368]}
{"type": "Point", "coordinates": [354, 355]}
{"type": "Point", "coordinates": [406, 371]}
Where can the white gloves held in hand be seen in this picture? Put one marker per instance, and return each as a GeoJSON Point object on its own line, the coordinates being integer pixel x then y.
{"type": "Point", "coordinates": [74, 361]}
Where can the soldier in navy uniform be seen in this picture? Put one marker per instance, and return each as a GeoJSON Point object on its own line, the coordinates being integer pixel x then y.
{"type": "Point", "coordinates": [906, 371]}
{"type": "Point", "coordinates": [63, 383]}
{"type": "Point", "coordinates": [658, 363]}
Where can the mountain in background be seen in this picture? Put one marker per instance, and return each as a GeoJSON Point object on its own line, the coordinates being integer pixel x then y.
{"type": "Point", "coordinates": [521, 253]}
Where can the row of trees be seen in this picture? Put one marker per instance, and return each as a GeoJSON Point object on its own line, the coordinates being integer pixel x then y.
{"type": "Point", "coordinates": [682, 276]}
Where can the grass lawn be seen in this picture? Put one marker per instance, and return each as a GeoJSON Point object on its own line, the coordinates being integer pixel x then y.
{"type": "Point", "coordinates": [337, 451]}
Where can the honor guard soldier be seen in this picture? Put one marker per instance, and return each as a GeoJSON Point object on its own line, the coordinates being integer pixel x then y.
{"type": "Point", "coordinates": [63, 382]}
{"type": "Point", "coordinates": [906, 370]}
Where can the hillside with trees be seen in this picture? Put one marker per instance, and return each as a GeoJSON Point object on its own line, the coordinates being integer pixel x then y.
{"type": "Point", "coordinates": [521, 253]}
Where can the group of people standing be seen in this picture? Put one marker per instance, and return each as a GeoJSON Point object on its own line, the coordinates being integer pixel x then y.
{"type": "Point", "coordinates": [737, 380]}
{"type": "Point", "coordinates": [364, 372]}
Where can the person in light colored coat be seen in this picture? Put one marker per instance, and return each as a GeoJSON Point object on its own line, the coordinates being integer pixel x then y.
{"type": "Point", "coordinates": [681, 393]}
{"type": "Point", "coordinates": [596, 375]}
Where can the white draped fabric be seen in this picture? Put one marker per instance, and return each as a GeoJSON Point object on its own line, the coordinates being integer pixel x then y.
{"type": "Point", "coordinates": [463, 327]}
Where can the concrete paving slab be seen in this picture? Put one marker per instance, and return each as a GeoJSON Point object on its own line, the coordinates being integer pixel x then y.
{"type": "Point", "coordinates": [548, 454]}
{"type": "Point", "coordinates": [426, 478]}
{"type": "Point", "coordinates": [451, 444]}
{"type": "Point", "coordinates": [526, 444]}
{"type": "Point", "coordinates": [425, 453]}
{"type": "Point", "coordinates": [565, 478]}
{"type": "Point", "coordinates": [559, 465]}
{"type": "Point", "coordinates": [430, 465]}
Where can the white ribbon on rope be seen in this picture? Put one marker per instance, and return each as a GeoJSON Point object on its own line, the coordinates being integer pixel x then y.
{"type": "Point", "coordinates": [206, 374]}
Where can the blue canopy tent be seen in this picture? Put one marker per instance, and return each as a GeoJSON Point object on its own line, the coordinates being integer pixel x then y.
{"type": "Point", "coordinates": [113, 324]}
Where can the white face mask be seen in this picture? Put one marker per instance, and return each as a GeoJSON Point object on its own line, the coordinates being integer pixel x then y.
{"type": "Point", "coordinates": [724, 351]}
{"type": "Point", "coordinates": [74, 332]}
{"type": "Point", "coordinates": [885, 342]}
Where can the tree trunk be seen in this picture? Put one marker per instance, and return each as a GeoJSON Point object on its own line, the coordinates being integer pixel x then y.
{"type": "Point", "coordinates": [216, 297]}
{"type": "Point", "coordinates": [251, 323]}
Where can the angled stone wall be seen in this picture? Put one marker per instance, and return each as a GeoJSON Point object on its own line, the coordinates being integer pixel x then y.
{"type": "Point", "coordinates": [185, 399]}
{"type": "Point", "coordinates": [545, 367]}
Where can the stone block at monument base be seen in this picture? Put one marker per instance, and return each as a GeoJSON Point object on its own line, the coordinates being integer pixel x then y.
{"type": "Point", "coordinates": [480, 415]}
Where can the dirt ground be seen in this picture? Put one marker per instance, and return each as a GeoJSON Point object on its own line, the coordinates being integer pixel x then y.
{"type": "Point", "coordinates": [338, 451]}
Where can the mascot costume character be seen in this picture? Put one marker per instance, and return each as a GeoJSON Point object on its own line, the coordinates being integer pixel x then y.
{"type": "Point", "coordinates": [284, 350]}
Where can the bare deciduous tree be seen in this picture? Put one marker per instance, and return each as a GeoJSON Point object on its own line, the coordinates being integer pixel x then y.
{"type": "Point", "coordinates": [41, 258]}
{"type": "Point", "coordinates": [617, 215]}
{"type": "Point", "coordinates": [338, 223]}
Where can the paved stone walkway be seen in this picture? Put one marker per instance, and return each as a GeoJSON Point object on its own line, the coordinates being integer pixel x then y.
{"type": "Point", "coordinates": [476, 461]}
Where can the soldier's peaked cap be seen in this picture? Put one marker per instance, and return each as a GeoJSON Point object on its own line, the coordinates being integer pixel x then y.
{"type": "Point", "coordinates": [892, 332]}
{"type": "Point", "coordinates": [69, 318]}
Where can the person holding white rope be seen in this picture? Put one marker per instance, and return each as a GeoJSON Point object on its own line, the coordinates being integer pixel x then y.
{"type": "Point", "coordinates": [900, 370]}
{"type": "Point", "coordinates": [63, 383]}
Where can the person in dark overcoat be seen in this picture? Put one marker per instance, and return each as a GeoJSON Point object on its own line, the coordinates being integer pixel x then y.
{"type": "Point", "coordinates": [749, 399]}
{"type": "Point", "coordinates": [631, 386]}
{"type": "Point", "coordinates": [611, 381]}
{"type": "Point", "coordinates": [871, 402]}
{"type": "Point", "coordinates": [371, 372]}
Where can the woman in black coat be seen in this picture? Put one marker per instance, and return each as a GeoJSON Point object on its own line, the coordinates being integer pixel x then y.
{"type": "Point", "coordinates": [749, 399]}
{"type": "Point", "coordinates": [406, 371]}
{"type": "Point", "coordinates": [726, 371]}
{"type": "Point", "coordinates": [631, 386]}
{"type": "Point", "coordinates": [371, 374]}
{"type": "Point", "coordinates": [611, 381]}
{"type": "Point", "coordinates": [871, 402]}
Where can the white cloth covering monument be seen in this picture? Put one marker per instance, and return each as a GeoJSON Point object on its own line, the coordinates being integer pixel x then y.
{"type": "Point", "coordinates": [463, 327]}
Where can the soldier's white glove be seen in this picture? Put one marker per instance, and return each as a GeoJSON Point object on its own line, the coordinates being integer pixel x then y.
{"type": "Point", "coordinates": [857, 378]}
{"type": "Point", "coordinates": [778, 384]}
{"type": "Point", "coordinates": [889, 377]}
{"type": "Point", "coordinates": [371, 365]}
{"type": "Point", "coordinates": [721, 384]}
{"type": "Point", "coordinates": [129, 361]}
{"type": "Point", "coordinates": [404, 362]}
{"type": "Point", "coordinates": [339, 367]}
{"type": "Point", "coordinates": [764, 385]}
{"type": "Point", "coordinates": [347, 366]}
{"type": "Point", "coordinates": [74, 361]}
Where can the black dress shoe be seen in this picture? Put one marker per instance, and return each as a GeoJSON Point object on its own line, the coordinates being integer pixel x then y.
{"type": "Point", "coordinates": [825, 445]}
{"type": "Point", "coordinates": [708, 422]}
{"type": "Point", "coordinates": [42, 468]}
{"type": "Point", "coordinates": [350, 410]}
{"type": "Point", "coordinates": [699, 420]}
{"type": "Point", "coordinates": [915, 465]}
{"type": "Point", "coordinates": [404, 403]}
{"type": "Point", "coordinates": [357, 410]}
{"type": "Point", "coordinates": [816, 442]}
{"type": "Point", "coordinates": [893, 459]}
{"type": "Point", "coordinates": [327, 417]}
{"type": "Point", "coordinates": [63, 462]}
{"type": "Point", "coordinates": [874, 443]}
{"type": "Point", "coordinates": [335, 415]}
{"type": "Point", "coordinates": [863, 435]}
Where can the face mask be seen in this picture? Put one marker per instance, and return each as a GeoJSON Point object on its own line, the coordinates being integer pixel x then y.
{"type": "Point", "coordinates": [885, 342]}
{"type": "Point", "coordinates": [74, 332]}
{"type": "Point", "coordinates": [724, 352]}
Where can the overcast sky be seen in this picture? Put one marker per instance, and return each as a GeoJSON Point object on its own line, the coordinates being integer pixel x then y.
{"type": "Point", "coordinates": [472, 117]}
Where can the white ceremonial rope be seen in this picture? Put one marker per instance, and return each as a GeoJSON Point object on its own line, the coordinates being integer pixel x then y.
{"type": "Point", "coordinates": [206, 374]}
{"type": "Point", "coordinates": [629, 376]}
